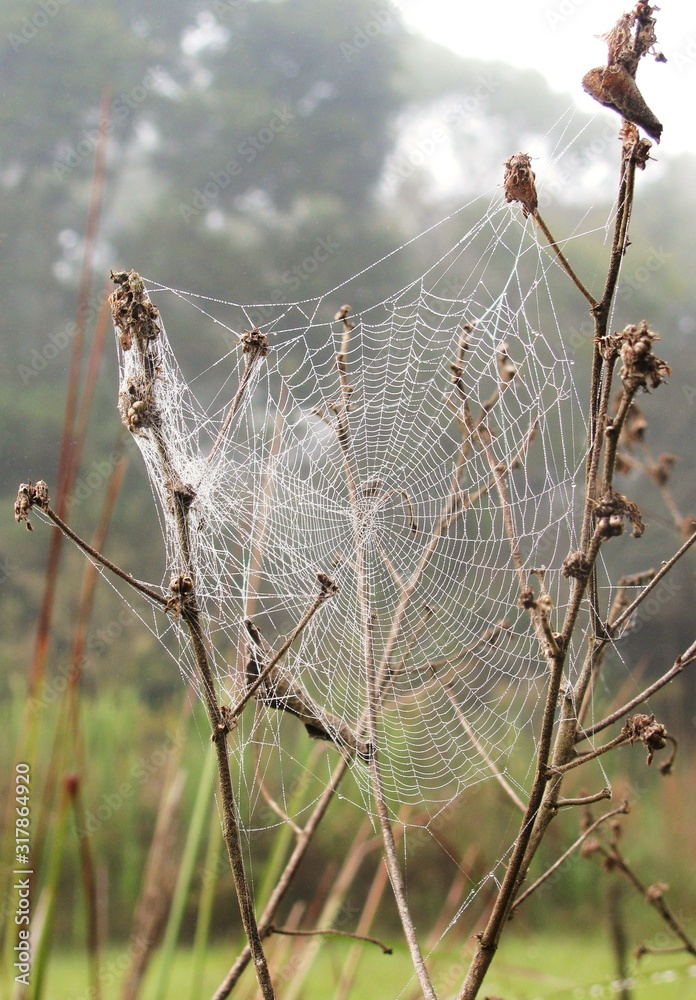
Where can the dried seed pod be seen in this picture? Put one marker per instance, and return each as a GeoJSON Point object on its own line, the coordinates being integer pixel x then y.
{"type": "Point", "coordinates": [615, 88]}
{"type": "Point", "coordinates": [519, 183]}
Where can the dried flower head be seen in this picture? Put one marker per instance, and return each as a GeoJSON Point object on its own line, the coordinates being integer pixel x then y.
{"type": "Point", "coordinates": [651, 733]}
{"type": "Point", "coordinates": [641, 368]}
{"type": "Point", "coordinates": [519, 183]}
{"type": "Point", "coordinates": [254, 342]}
{"type": "Point", "coordinates": [615, 88]}
{"type": "Point", "coordinates": [30, 496]}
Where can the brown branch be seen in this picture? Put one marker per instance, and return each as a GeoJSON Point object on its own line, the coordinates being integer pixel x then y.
{"type": "Point", "coordinates": [653, 895]}
{"type": "Point", "coordinates": [565, 264]}
{"type": "Point", "coordinates": [103, 561]}
{"type": "Point", "coordinates": [590, 755]}
{"type": "Point", "coordinates": [584, 800]}
{"type": "Point", "coordinates": [284, 882]}
{"type": "Point", "coordinates": [137, 319]}
{"type": "Point", "coordinates": [330, 930]}
{"type": "Point", "coordinates": [661, 573]}
{"type": "Point", "coordinates": [566, 854]}
{"type": "Point", "coordinates": [687, 657]}
{"type": "Point", "coordinates": [324, 594]}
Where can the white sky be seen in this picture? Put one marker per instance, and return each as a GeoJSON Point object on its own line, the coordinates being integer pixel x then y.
{"type": "Point", "coordinates": [558, 37]}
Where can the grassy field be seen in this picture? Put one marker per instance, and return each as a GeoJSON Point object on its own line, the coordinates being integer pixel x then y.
{"type": "Point", "coordinates": [542, 967]}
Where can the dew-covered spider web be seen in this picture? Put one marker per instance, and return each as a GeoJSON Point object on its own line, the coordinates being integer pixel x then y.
{"type": "Point", "coordinates": [427, 473]}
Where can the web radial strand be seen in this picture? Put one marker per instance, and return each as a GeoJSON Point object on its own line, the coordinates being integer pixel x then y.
{"type": "Point", "coordinates": [453, 437]}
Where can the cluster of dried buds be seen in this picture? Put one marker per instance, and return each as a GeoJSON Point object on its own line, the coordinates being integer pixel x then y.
{"type": "Point", "coordinates": [30, 496]}
{"type": "Point", "coordinates": [181, 588]}
{"type": "Point", "coordinates": [611, 510]}
{"type": "Point", "coordinates": [132, 312]}
{"type": "Point", "coordinates": [641, 369]}
{"type": "Point", "coordinates": [640, 366]}
{"type": "Point", "coordinates": [649, 732]}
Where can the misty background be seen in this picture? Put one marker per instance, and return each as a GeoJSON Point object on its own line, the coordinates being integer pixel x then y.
{"type": "Point", "coordinates": [243, 140]}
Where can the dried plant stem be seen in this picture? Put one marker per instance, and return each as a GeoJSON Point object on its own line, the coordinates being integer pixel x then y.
{"type": "Point", "coordinates": [687, 657]}
{"type": "Point", "coordinates": [103, 561]}
{"type": "Point", "coordinates": [284, 882]}
{"type": "Point", "coordinates": [256, 347]}
{"type": "Point", "coordinates": [490, 937]}
{"type": "Point", "coordinates": [495, 770]}
{"type": "Point", "coordinates": [564, 857]}
{"type": "Point", "coordinates": [371, 905]}
{"type": "Point", "coordinates": [374, 685]}
{"type": "Point", "coordinates": [653, 895]}
{"type": "Point", "coordinates": [229, 810]}
{"type": "Point", "coordinates": [329, 931]}
{"type": "Point", "coordinates": [138, 320]}
{"type": "Point", "coordinates": [565, 263]}
{"type": "Point", "coordinates": [251, 690]}
{"type": "Point", "coordinates": [538, 819]}
{"type": "Point", "coordinates": [591, 755]}
{"type": "Point", "coordinates": [613, 628]}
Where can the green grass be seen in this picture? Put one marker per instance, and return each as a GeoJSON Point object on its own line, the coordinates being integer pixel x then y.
{"type": "Point", "coordinates": [526, 968]}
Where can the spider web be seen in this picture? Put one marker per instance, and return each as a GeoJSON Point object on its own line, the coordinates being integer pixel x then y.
{"type": "Point", "coordinates": [465, 452]}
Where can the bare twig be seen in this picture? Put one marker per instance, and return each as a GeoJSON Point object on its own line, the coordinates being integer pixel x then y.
{"type": "Point", "coordinates": [331, 930]}
{"type": "Point", "coordinates": [103, 561]}
{"type": "Point", "coordinates": [687, 657]}
{"type": "Point", "coordinates": [566, 854]}
{"type": "Point", "coordinates": [613, 628]}
{"type": "Point", "coordinates": [653, 895]}
{"type": "Point", "coordinates": [564, 262]}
